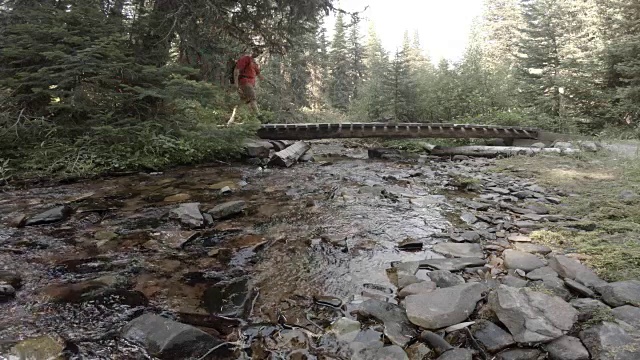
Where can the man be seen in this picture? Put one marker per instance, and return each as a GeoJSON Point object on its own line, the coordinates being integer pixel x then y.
{"type": "Point", "coordinates": [244, 76]}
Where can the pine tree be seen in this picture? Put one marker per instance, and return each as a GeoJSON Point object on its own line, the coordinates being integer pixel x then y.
{"type": "Point", "coordinates": [340, 86]}
{"type": "Point", "coordinates": [356, 59]}
{"type": "Point", "coordinates": [626, 51]}
{"type": "Point", "coordinates": [376, 98]}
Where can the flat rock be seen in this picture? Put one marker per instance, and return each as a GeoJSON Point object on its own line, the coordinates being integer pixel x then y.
{"type": "Point", "coordinates": [579, 288]}
{"type": "Point", "coordinates": [397, 327]}
{"type": "Point", "coordinates": [167, 339]}
{"type": "Point", "coordinates": [452, 264]}
{"type": "Point", "coordinates": [541, 273]}
{"type": "Point", "coordinates": [460, 250]}
{"type": "Point", "coordinates": [227, 210]}
{"type": "Point", "coordinates": [491, 336]}
{"type": "Point", "coordinates": [531, 316]}
{"type": "Point", "coordinates": [56, 214]}
{"type": "Point", "coordinates": [587, 307]}
{"type": "Point", "coordinates": [406, 279]}
{"type": "Point", "coordinates": [532, 248]}
{"type": "Point", "coordinates": [519, 238]}
{"type": "Point", "coordinates": [514, 259]}
{"type": "Point", "coordinates": [519, 354]}
{"type": "Point", "coordinates": [608, 341]}
{"type": "Point", "coordinates": [188, 214]}
{"type": "Point", "coordinates": [444, 278]}
{"type": "Point", "coordinates": [538, 209]}
{"type": "Point", "coordinates": [470, 236]}
{"type": "Point", "coordinates": [443, 307]}
{"type": "Point", "coordinates": [417, 288]}
{"type": "Point", "coordinates": [227, 298]}
{"type": "Point", "coordinates": [555, 285]}
{"type": "Point", "coordinates": [628, 314]}
{"type": "Point", "coordinates": [621, 293]}
{"type": "Point", "coordinates": [177, 197]}
{"type": "Point", "coordinates": [567, 348]}
{"type": "Point", "coordinates": [457, 354]}
{"type": "Point", "coordinates": [570, 268]}
{"type": "Point", "coordinates": [499, 190]}
{"type": "Point", "coordinates": [513, 281]}
{"type": "Point", "coordinates": [345, 329]}
{"type": "Point", "coordinates": [392, 352]}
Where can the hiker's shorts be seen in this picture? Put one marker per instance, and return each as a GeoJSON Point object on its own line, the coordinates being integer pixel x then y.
{"type": "Point", "coordinates": [247, 93]}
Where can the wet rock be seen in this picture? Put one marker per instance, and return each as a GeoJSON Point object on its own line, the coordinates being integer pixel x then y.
{"type": "Point", "coordinates": [418, 351]}
{"type": "Point", "coordinates": [167, 339]}
{"type": "Point", "coordinates": [462, 250]}
{"type": "Point", "coordinates": [45, 347]}
{"type": "Point", "coordinates": [188, 214]}
{"type": "Point", "coordinates": [227, 210]}
{"type": "Point", "coordinates": [514, 281]}
{"type": "Point", "coordinates": [396, 324]}
{"type": "Point", "coordinates": [457, 354]}
{"type": "Point", "coordinates": [514, 259]}
{"type": "Point", "coordinates": [6, 292]}
{"type": "Point", "coordinates": [11, 278]}
{"type": "Point", "coordinates": [417, 288]}
{"type": "Point", "coordinates": [452, 264]}
{"type": "Point", "coordinates": [491, 336]}
{"type": "Point", "coordinates": [445, 279]}
{"type": "Point", "coordinates": [177, 198]}
{"type": "Point", "coordinates": [519, 354]}
{"type": "Point", "coordinates": [392, 352]}
{"type": "Point", "coordinates": [579, 288]}
{"type": "Point", "coordinates": [227, 299]}
{"type": "Point", "coordinates": [175, 239]}
{"type": "Point", "coordinates": [105, 288]}
{"type": "Point", "coordinates": [567, 348]}
{"type": "Point", "coordinates": [621, 293]}
{"type": "Point", "coordinates": [443, 307]}
{"type": "Point", "coordinates": [345, 329]}
{"type": "Point", "coordinates": [327, 301]}
{"type": "Point", "coordinates": [628, 314]}
{"type": "Point", "coordinates": [574, 270]}
{"type": "Point", "coordinates": [532, 248]}
{"type": "Point", "coordinates": [609, 341]}
{"type": "Point", "coordinates": [541, 273]}
{"type": "Point", "coordinates": [410, 244]}
{"type": "Point", "coordinates": [532, 316]}
{"type": "Point", "coordinates": [469, 218]}
{"type": "Point", "coordinates": [59, 213]}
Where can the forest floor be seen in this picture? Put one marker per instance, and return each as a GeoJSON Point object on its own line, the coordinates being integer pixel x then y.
{"type": "Point", "coordinates": [331, 259]}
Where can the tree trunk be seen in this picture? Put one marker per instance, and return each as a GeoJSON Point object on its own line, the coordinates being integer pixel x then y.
{"type": "Point", "coordinates": [493, 151]}
{"type": "Point", "coordinates": [290, 155]}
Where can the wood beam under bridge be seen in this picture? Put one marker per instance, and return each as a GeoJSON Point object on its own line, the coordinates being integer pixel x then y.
{"type": "Point", "coordinates": [392, 131]}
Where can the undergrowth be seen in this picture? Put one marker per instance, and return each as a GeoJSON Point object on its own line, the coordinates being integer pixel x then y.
{"type": "Point", "coordinates": [605, 190]}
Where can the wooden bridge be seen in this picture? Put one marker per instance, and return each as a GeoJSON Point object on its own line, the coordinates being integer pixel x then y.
{"type": "Point", "coordinates": [393, 131]}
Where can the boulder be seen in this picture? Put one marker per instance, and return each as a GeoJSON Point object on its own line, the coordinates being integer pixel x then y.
{"type": "Point", "coordinates": [58, 213]}
{"type": "Point", "coordinates": [462, 250]}
{"type": "Point", "coordinates": [167, 339]}
{"type": "Point", "coordinates": [258, 149]}
{"type": "Point", "coordinates": [608, 341]}
{"type": "Point", "coordinates": [443, 307]}
{"type": "Point", "coordinates": [491, 336]}
{"type": "Point", "coordinates": [541, 273]}
{"type": "Point", "coordinates": [531, 316]}
{"type": "Point", "coordinates": [628, 314]}
{"type": "Point", "coordinates": [227, 210]}
{"type": "Point", "coordinates": [570, 268]}
{"type": "Point", "coordinates": [566, 348]}
{"type": "Point", "coordinates": [444, 278]}
{"type": "Point", "coordinates": [621, 293]}
{"type": "Point", "coordinates": [188, 214]}
{"type": "Point", "coordinates": [397, 327]}
{"type": "Point", "coordinates": [514, 259]}
{"type": "Point", "coordinates": [43, 347]}
{"type": "Point", "coordinates": [587, 307]}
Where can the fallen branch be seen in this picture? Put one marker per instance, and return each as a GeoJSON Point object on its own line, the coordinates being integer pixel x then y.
{"type": "Point", "coordinates": [493, 151]}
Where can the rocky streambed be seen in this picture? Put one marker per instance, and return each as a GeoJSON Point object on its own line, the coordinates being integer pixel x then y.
{"type": "Point", "coordinates": [342, 258]}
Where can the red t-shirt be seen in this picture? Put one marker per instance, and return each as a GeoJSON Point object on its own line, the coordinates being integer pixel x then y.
{"type": "Point", "coordinates": [248, 70]}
